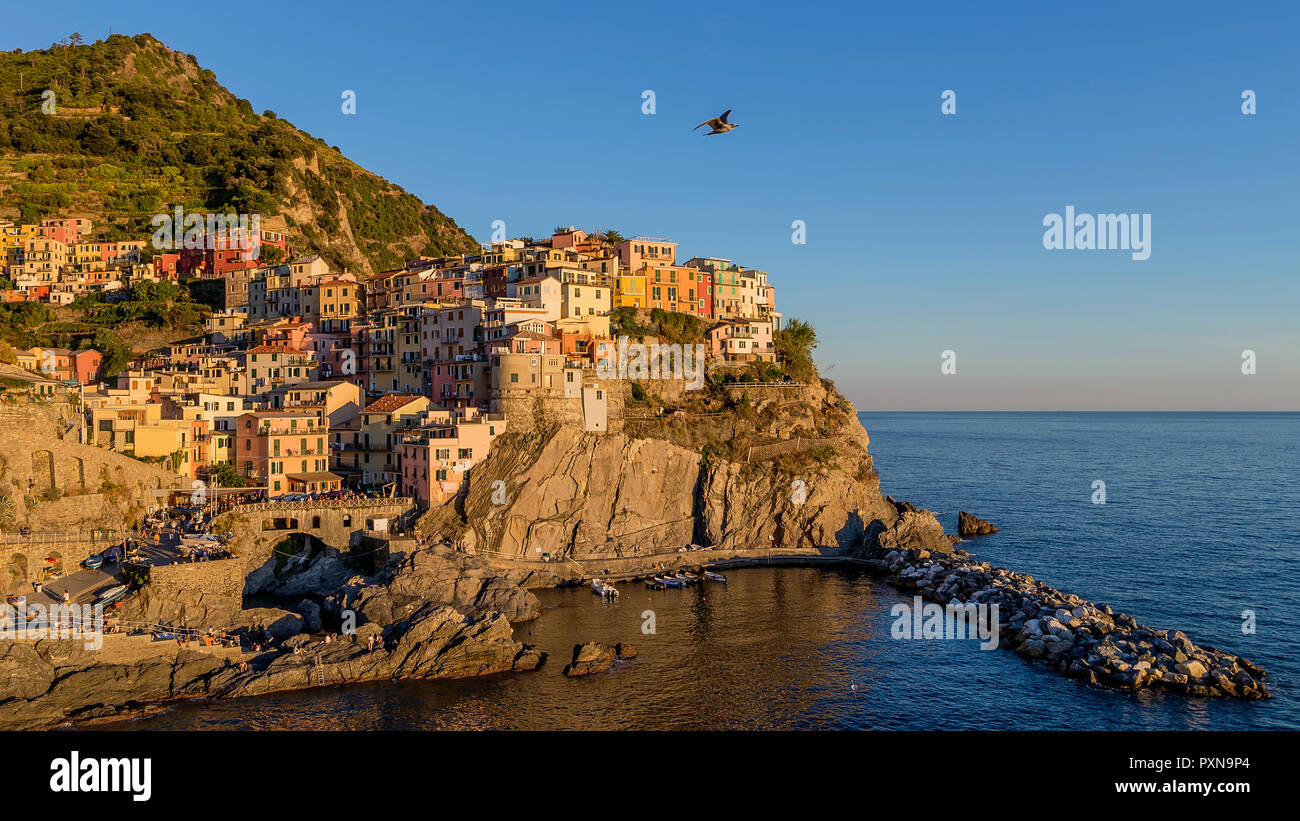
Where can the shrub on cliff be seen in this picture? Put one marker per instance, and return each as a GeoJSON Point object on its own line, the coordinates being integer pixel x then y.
{"type": "Point", "coordinates": [795, 344]}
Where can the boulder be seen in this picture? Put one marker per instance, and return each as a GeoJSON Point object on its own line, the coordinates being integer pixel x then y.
{"type": "Point", "coordinates": [968, 524]}
{"type": "Point", "coordinates": [279, 624]}
{"type": "Point", "coordinates": [528, 659]}
{"type": "Point", "coordinates": [1192, 669]}
{"type": "Point", "coordinates": [592, 657]}
{"type": "Point", "coordinates": [310, 612]}
{"type": "Point", "coordinates": [442, 576]}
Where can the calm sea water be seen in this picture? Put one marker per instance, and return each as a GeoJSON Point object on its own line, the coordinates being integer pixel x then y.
{"type": "Point", "coordinates": [1199, 525]}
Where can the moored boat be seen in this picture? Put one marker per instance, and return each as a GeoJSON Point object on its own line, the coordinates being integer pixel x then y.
{"type": "Point", "coordinates": [715, 577]}
{"type": "Point", "coordinates": [112, 594]}
{"type": "Point", "coordinates": [601, 588]}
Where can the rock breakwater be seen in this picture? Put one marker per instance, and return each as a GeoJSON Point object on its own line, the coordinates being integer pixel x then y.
{"type": "Point", "coordinates": [1076, 637]}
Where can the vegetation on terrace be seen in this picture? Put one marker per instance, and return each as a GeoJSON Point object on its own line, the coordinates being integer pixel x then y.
{"type": "Point", "coordinates": [138, 129]}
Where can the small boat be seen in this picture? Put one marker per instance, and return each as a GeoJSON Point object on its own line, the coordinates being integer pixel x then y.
{"type": "Point", "coordinates": [112, 594]}
{"type": "Point", "coordinates": [671, 581]}
{"type": "Point", "coordinates": [715, 577]}
{"type": "Point", "coordinates": [694, 577]}
{"type": "Point", "coordinates": [93, 561]}
{"type": "Point", "coordinates": [685, 579]}
{"type": "Point", "coordinates": [654, 584]}
{"type": "Point", "coordinates": [603, 589]}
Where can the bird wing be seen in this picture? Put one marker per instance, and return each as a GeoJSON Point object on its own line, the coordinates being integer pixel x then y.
{"type": "Point", "coordinates": [710, 123]}
{"type": "Point", "coordinates": [725, 115]}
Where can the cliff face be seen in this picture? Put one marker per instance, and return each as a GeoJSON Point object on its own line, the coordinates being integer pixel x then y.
{"type": "Point", "coordinates": [58, 680]}
{"type": "Point", "coordinates": [643, 492]}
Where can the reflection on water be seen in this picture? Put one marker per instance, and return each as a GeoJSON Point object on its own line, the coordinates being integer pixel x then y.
{"type": "Point", "coordinates": [776, 648]}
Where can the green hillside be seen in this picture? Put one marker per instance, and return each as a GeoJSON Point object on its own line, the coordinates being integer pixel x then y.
{"type": "Point", "coordinates": [138, 128]}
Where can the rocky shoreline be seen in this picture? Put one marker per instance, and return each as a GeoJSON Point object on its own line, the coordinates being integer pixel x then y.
{"type": "Point", "coordinates": [430, 615]}
{"type": "Point", "coordinates": [1075, 637]}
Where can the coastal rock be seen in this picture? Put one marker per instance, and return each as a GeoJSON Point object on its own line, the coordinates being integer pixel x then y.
{"type": "Point", "coordinates": [182, 608]}
{"type": "Point", "coordinates": [528, 659]}
{"type": "Point", "coordinates": [310, 612]}
{"type": "Point", "coordinates": [1192, 669]}
{"type": "Point", "coordinates": [57, 681]}
{"type": "Point", "coordinates": [1082, 639]}
{"type": "Point", "coordinates": [440, 575]}
{"type": "Point", "coordinates": [625, 651]}
{"type": "Point", "coordinates": [912, 529]}
{"type": "Point", "coordinates": [322, 573]}
{"type": "Point", "coordinates": [589, 658]}
{"type": "Point", "coordinates": [969, 525]}
{"type": "Point", "coordinates": [578, 495]}
{"type": "Point", "coordinates": [276, 623]}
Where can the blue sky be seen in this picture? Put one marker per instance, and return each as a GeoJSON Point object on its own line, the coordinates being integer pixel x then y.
{"type": "Point", "coordinates": [924, 231]}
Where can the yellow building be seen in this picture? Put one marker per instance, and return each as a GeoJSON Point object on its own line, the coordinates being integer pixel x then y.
{"type": "Point", "coordinates": [630, 289]}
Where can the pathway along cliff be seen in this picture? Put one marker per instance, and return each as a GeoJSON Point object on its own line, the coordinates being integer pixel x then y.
{"type": "Point", "coordinates": [747, 472]}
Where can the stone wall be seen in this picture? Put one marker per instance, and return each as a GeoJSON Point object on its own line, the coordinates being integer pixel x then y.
{"type": "Point", "coordinates": [224, 577]}
{"type": "Point", "coordinates": [528, 410]}
{"type": "Point", "coordinates": [39, 450]}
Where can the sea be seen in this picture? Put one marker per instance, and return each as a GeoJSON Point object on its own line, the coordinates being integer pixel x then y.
{"type": "Point", "coordinates": [1183, 520]}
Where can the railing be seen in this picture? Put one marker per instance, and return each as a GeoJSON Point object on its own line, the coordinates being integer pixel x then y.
{"type": "Point", "coordinates": [61, 536]}
{"type": "Point", "coordinates": [308, 504]}
{"type": "Point", "coordinates": [785, 446]}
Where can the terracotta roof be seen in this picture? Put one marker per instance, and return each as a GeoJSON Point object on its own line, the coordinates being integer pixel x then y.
{"type": "Point", "coordinates": [391, 402]}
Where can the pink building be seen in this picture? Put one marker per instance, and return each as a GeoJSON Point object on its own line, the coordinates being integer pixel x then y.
{"type": "Point", "coordinates": [743, 340]}
{"type": "Point", "coordinates": [436, 460]}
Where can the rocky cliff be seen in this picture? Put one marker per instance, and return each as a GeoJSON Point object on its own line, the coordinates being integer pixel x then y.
{"type": "Point", "coordinates": [52, 681]}
{"type": "Point", "coordinates": [431, 614]}
{"type": "Point", "coordinates": [747, 468]}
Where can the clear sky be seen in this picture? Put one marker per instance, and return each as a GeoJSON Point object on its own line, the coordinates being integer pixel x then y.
{"type": "Point", "coordinates": [924, 231]}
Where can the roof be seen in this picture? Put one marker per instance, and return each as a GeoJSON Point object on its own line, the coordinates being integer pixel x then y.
{"type": "Point", "coordinates": [323, 476]}
{"type": "Point", "coordinates": [8, 371]}
{"type": "Point", "coordinates": [274, 349]}
{"type": "Point", "coordinates": [392, 402]}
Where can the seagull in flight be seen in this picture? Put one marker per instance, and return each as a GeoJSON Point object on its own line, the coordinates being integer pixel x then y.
{"type": "Point", "coordinates": [718, 124]}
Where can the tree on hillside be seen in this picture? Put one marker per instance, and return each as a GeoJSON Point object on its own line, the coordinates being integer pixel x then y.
{"type": "Point", "coordinates": [795, 344]}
